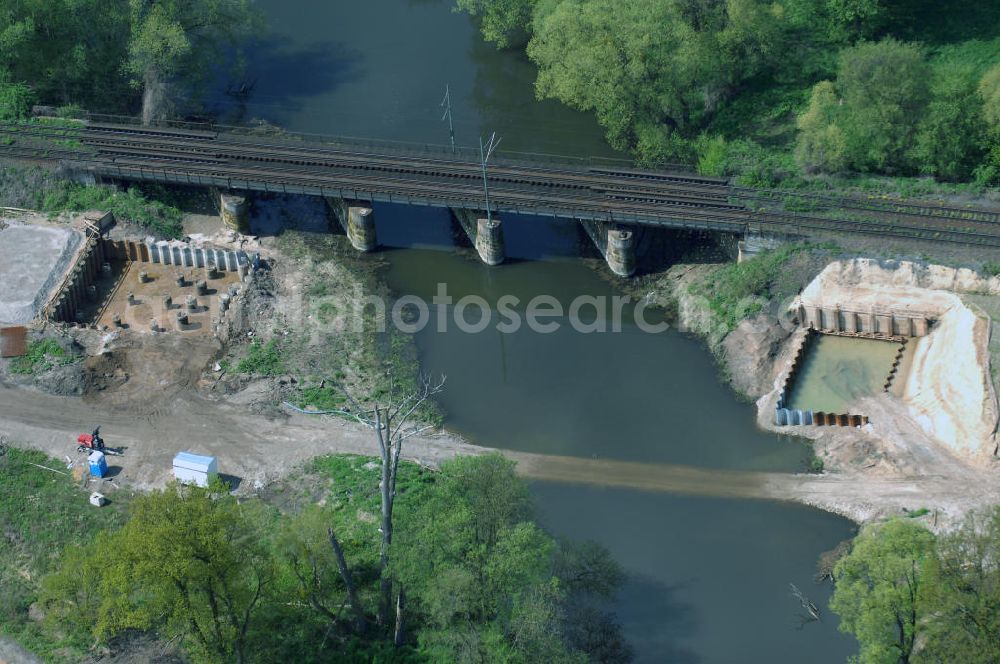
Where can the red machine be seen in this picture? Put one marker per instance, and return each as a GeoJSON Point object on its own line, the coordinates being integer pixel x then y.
{"type": "Point", "coordinates": [93, 443]}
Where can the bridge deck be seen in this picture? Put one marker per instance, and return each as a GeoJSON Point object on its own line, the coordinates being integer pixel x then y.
{"type": "Point", "coordinates": [346, 168]}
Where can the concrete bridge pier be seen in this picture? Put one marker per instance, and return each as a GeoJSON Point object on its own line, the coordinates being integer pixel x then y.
{"type": "Point", "coordinates": [235, 211]}
{"type": "Point", "coordinates": [486, 235]}
{"type": "Point", "coordinates": [616, 243]}
{"type": "Point", "coordinates": [357, 218]}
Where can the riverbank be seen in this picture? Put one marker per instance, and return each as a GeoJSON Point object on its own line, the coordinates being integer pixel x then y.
{"type": "Point", "coordinates": [932, 451]}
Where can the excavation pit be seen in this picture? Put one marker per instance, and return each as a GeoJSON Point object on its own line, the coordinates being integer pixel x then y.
{"type": "Point", "coordinates": [160, 298]}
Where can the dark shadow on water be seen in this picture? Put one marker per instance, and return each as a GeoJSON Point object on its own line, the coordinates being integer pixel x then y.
{"type": "Point", "coordinates": [286, 75]}
{"type": "Point", "coordinates": [656, 620]}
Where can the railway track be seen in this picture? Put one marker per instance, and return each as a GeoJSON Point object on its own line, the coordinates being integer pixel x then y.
{"type": "Point", "coordinates": [627, 195]}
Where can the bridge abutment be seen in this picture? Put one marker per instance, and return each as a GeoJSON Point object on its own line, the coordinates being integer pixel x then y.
{"type": "Point", "coordinates": [235, 212]}
{"type": "Point", "coordinates": [358, 221]}
{"type": "Point", "coordinates": [616, 243]}
{"type": "Point", "coordinates": [754, 244]}
{"type": "Point", "coordinates": [485, 234]}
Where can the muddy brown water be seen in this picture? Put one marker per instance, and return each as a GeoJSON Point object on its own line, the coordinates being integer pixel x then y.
{"type": "Point", "coordinates": [708, 577]}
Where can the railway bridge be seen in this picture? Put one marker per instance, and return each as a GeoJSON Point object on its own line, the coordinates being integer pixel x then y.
{"type": "Point", "coordinates": [608, 197]}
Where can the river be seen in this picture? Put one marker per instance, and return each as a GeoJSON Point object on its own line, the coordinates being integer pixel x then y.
{"type": "Point", "coordinates": [708, 578]}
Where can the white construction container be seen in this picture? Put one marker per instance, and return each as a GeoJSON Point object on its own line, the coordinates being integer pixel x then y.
{"type": "Point", "coordinates": [195, 469]}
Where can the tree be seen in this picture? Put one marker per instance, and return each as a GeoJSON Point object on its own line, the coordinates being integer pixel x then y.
{"type": "Point", "coordinates": [884, 88]}
{"type": "Point", "coordinates": [68, 50]}
{"type": "Point", "coordinates": [820, 144]}
{"type": "Point", "coordinates": [506, 23]}
{"type": "Point", "coordinates": [989, 92]}
{"type": "Point", "coordinates": [480, 573]}
{"type": "Point", "coordinates": [951, 136]}
{"type": "Point", "coordinates": [171, 37]}
{"type": "Point", "coordinates": [654, 72]}
{"type": "Point", "coordinates": [392, 423]}
{"type": "Point", "coordinates": [880, 587]}
{"type": "Point", "coordinates": [15, 99]}
{"type": "Point", "coordinates": [964, 591]}
{"type": "Point", "coordinates": [189, 560]}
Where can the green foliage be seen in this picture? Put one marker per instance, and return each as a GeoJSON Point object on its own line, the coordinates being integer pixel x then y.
{"type": "Point", "coordinates": [989, 90]}
{"type": "Point", "coordinates": [950, 140]}
{"type": "Point", "coordinates": [322, 398]}
{"type": "Point", "coordinates": [262, 360]}
{"type": "Point", "coordinates": [908, 596]}
{"type": "Point", "coordinates": [15, 99]}
{"type": "Point", "coordinates": [991, 269]}
{"type": "Point", "coordinates": [41, 513]}
{"type": "Point", "coordinates": [877, 589]}
{"type": "Point", "coordinates": [236, 578]}
{"type": "Point", "coordinates": [821, 145]}
{"type": "Point", "coordinates": [503, 22]}
{"type": "Point", "coordinates": [41, 356]}
{"type": "Point", "coordinates": [738, 291]}
{"type": "Point", "coordinates": [480, 573]}
{"type": "Point", "coordinates": [130, 206]}
{"type": "Point", "coordinates": [739, 87]}
{"type": "Point", "coordinates": [191, 560]}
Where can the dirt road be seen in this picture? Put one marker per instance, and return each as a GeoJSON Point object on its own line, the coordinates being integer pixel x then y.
{"type": "Point", "coordinates": [258, 450]}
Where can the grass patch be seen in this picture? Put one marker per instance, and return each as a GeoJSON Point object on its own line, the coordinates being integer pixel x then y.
{"type": "Point", "coordinates": [262, 360]}
{"type": "Point", "coordinates": [41, 512]}
{"type": "Point", "coordinates": [41, 356]}
{"type": "Point", "coordinates": [321, 398]}
{"type": "Point", "coordinates": [740, 290]}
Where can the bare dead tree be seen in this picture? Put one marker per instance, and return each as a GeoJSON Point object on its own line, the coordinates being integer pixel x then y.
{"type": "Point", "coordinates": [811, 610]}
{"type": "Point", "coordinates": [392, 423]}
{"type": "Point", "coordinates": [352, 593]}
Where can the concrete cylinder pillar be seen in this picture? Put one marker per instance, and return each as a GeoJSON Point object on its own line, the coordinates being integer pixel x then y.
{"type": "Point", "coordinates": [235, 212]}
{"type": "Point", "coordinates": [116, 320]}
{"type": "Point", "coordinates": [361, 228]}
{"type": "Point", "coordinates": [106, 270]}
{"type": "Point", "coordinates": [621, 252]}
{"type": "Point", "coordinates": [143, 277]}
{"type": "Point", "coordinates": [168, 302]}
{"type": "Point", "coordinates": [182, 320]}
{"type": "Point", "coordinates": [489, 241]}
{"type": "Point", "coordinates": [131, 299]}
{"type": "Point", "coordinates": [191, 302]}
{"type": "Point", "coordinates": [224, 301]}
{"type": "Point", "coordinates": [201, 288]}
{"type": "Point", "coordinates": [180, 281]}
{"type": "Point", "coordinates": [153, 325]}
{"type": "Point", "coordinates": [91, 292]}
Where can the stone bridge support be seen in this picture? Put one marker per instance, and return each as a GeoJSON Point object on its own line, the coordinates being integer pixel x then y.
{"type": "Point", "coordinates": [485, 234]}
{"type": "Point", "coordinates": [357, 218]}
{"type": "Point", "coordinates": [235, 211]}
{"type": "Point", "coordinates": [616, 243]}
{"type": "Point", "coordinates": [755, 244]}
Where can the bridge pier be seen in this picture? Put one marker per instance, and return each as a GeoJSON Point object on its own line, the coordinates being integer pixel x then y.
{"type": "Point", "coordinates": [235, 212]}
{"type": "Point", "coordinates": [358, 221]}
{"type": "Point", "coordinates": [486, 235]}
{"type": "Point", "coordinates": [616, 243]}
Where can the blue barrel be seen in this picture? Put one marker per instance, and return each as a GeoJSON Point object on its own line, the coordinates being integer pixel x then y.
{"type": "Point", "coordinates": [98, 464]}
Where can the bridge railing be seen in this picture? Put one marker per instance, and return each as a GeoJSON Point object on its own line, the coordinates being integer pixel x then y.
{"type": "Point", "coordinates": [274, 134]}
